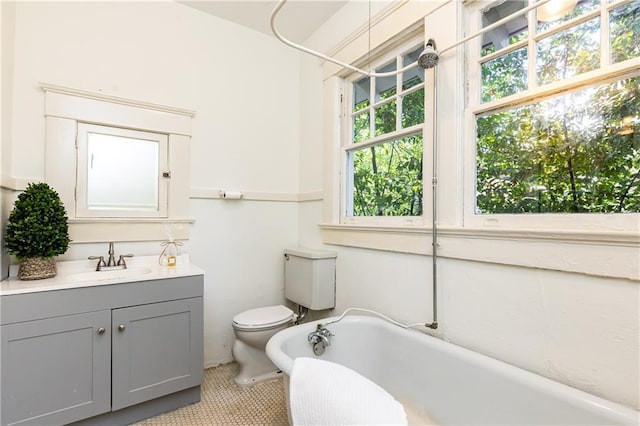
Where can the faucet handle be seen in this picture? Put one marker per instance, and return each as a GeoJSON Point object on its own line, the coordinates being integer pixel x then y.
{"type": "Point", "coordinates": [100, 260]}
{"type": "Point", "coordinates": [121, 260]}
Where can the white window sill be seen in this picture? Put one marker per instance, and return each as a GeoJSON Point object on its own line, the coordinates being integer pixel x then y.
{"type": "Point", "coordinates": [609, 254]}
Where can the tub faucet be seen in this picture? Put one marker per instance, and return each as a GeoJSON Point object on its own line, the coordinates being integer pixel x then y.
{"type": "Point", "coordinates": [319, 339]}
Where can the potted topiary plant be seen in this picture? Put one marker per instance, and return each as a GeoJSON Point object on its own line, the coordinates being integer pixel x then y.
{"type": "Point", "coordinates": [37, 231]}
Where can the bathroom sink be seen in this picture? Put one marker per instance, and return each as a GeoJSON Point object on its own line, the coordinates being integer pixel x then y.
{"type": "Point", "coordinates": [132, 274]}
{"type": "Point", "coordinates": [82, 273]}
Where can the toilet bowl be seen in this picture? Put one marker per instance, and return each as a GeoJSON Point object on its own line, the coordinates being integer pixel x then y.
{"type": "Point", "coordinates": [309, 282]}
{"type": "Point", "coordinates": [253, 329]}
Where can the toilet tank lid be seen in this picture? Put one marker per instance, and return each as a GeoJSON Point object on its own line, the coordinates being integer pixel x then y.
{"type": "Point", "coordinates": [264, 316]}
{"type": "Point", "coordinates": [311, 253]}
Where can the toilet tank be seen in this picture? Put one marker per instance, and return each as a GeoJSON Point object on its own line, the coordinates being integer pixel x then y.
{"type": "Point", "coordinates": [310, 278]}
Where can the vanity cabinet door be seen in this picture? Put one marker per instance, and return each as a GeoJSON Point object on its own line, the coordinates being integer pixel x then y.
{"type": "Point", "coordinates": [157, 350]}
{"type": "Point", "coordinates": [56, 370]}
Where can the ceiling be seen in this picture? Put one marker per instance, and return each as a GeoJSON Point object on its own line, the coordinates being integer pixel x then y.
{"type": "Point", "coordinates": [297, 19]}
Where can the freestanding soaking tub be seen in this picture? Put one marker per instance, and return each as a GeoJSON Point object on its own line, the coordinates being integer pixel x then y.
{"type": "Point", "coordinates": [444, 384]}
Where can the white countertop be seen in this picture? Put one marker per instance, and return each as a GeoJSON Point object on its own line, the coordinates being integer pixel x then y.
{"type": "Point", "coordinates": [82, 273]}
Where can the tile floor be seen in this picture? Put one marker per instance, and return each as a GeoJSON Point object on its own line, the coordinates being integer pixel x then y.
{"type": "Point", "coordinates": [225, 403]}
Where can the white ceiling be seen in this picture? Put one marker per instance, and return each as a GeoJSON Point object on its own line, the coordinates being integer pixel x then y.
{"type": "Point", "coordinates": [297, 19]}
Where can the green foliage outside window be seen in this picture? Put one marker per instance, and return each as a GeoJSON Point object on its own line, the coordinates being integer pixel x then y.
{"type": "Point", "coordinates": [573, 51]}
{"type": "Point", "coordinates": [388, 179]}
{"type": "Point", "coordinates": [387, 176]}
{"type": "Point", "coordinates": [504, 76]}
{"type": "Point", "coordinates": [625, 32]}
{"type": "Point", "coordinates": [572, 153]}
{"type": "Point", "coordinates": [569, 154]}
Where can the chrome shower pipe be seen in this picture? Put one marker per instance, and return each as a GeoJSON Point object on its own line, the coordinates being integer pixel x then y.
{"type": "Point", "coordinates": [322, 56]}
{"type": "Point", "coordinates": [434, 202]}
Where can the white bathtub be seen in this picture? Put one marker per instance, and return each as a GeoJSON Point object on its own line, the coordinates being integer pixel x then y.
{"type": "Point", "coordinates": [441, 383]}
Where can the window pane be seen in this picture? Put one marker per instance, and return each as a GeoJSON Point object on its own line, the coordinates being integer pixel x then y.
{"type": "Point", "coordinates": [130, 165]}
{"type": "Point", "coordinates": [385, 118]}
{"type": "Point", "coordinates": [506, 75]}
{"type": "Point", "coordinates": [414, 76]}
{"type": "Point", "coordinates": [506, 34]}
{"type": "Point", "coordinates": [625, 32]}
{"type": "Point", "coordinates": [571, 52]}
{"type": "Point", "coordinates": [556, 12]}
{"type": "Point", "coordinates": [571, 154]}
{"type": "Point", "coordinates": [361, 93]}
{"type": "Point", "coordinates": [413, 108]}
{"type": "Point", "coordinates": [388, 178]}
{"type": "Point", "coordinates": [361, 130]}
{"type": "Point", "coordinates": [386, 86]}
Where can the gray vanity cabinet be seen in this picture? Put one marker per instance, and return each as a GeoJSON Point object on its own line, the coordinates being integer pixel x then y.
{"type": "Point", "coordinates": [56, 370]}
{"type": "Point", "coordinates": [108, 354]}
{"type": "Point", "coordinates": [156, 350]}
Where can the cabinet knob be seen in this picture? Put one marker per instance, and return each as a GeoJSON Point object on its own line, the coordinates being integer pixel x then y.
{"type": "Point", "coordinates": [121, 327]}
{"type": "Point", "coordinates": [101, 330]}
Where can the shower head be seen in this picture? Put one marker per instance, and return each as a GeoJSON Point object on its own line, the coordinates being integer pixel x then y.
{"type": "Point", "coordinates": [429, 57]}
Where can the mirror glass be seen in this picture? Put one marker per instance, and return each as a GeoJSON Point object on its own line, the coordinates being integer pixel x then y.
{"type": "Point", "coordinates": [122, 172]}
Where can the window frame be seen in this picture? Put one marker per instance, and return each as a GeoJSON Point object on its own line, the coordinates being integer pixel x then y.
{"type": "Point", "coordinates": [64, 108]}
{"type": "Point", "coordinates": [346, 135]}
{"type": "Point", "coordinates": [573, 251]}
{"type": "Point", "coordinates": [607, 222]}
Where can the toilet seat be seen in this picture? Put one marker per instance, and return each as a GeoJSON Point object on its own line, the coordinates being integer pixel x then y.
{"type": "Point", "coordinates": [263, 318]}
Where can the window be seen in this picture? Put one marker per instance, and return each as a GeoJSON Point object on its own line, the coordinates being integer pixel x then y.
{"type": "Point", "coordinates": [383, 143]}
{"type": "Point", "coordinates": [121, 166]}
{"type": "Point", "coordinates": [556, 111]}
{"type": "Point", "coordinates": [120, 172]}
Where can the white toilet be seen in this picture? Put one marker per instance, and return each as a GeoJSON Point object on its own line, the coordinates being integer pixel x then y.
{"type": "Point", "coordinates": [309, 281]}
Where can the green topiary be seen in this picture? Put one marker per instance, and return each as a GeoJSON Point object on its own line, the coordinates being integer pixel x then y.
{"type": "Point", "coordinates": [37, 225]}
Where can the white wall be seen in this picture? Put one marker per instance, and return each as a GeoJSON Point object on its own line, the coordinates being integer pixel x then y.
{"type": "Point", "coordinates": [240, 244]}
{"type": "Point", "coordinates": [577, 329]}
{"type": "Point", "coordinates": [7, 21]}
{"type": "Point", "coordinates": [311, 131]}
{"type": "Point", "coordinates": [7, 30]}
{"type": "Point", "coordinates": [244, 87]}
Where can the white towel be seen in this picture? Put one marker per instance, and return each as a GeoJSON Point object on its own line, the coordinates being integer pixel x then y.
{"type": "Point", "coordinates": [329, 394]}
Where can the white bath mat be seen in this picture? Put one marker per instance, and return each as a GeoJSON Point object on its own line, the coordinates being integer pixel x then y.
{"type": "Point", "coordinates": [329, 394]}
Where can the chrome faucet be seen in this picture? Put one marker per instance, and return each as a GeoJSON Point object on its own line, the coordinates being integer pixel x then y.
{"type": "Point", "coordinates": [111, 263]}
{"type": "Point", "coordinates": [112, 260]}
{"type": "Point", "coordinates": [319, 339]}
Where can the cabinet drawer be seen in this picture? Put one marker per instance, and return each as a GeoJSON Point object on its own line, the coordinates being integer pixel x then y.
{"type": "Point", "coordinates": [157, 350]}
{"type": "Point", "coordinates": [56, 370]}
